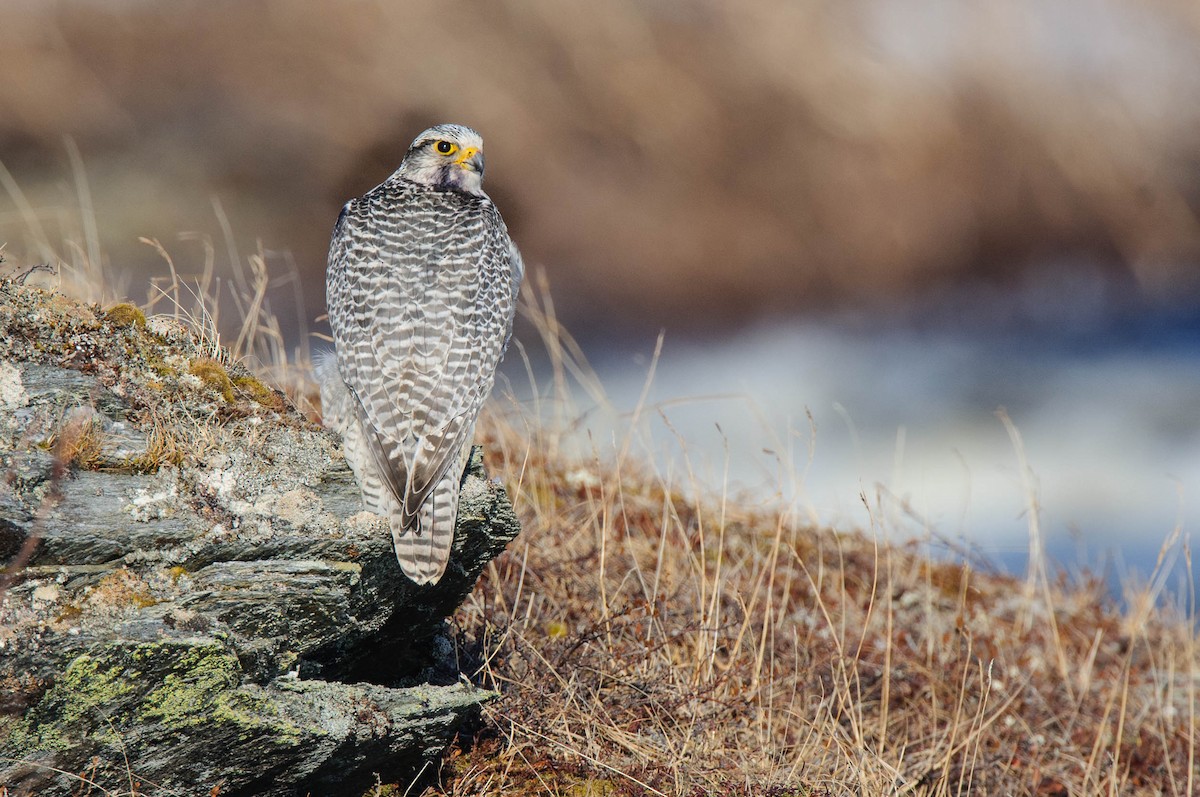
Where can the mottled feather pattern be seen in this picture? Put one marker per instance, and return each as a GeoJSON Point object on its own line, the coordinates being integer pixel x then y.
{"type": "Point", "coordinates": [422, 287]}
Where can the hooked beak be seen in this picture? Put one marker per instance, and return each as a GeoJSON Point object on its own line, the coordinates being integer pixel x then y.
{"type": "Point", "coordinates": [471, 159]}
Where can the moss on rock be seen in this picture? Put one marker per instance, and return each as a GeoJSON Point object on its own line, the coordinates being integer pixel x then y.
{"type": "Point", "coordinates": [213, 374]}
{"type": "Point", "coordinates": [125, 314]}
{"type": "Point", "coordinates": [259, 392]}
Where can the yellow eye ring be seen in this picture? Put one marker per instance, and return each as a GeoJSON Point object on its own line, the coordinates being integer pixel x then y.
{"type": "Point", "coordinates": [446, 148]}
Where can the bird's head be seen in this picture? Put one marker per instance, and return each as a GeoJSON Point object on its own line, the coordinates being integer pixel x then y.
{"type": "Point", "coordinates": [449, 157]}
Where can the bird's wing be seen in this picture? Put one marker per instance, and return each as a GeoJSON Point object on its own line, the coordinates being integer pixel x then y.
{"type": "Point", "coordinates": [353, 280]}
{"type": "Point", "coordinates": [415, 286]}
{"type": "Point", "coordinates": [473, 286]}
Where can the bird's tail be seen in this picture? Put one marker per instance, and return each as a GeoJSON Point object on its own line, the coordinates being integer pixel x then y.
{"type": "Point", "coordinates": [424, 548]}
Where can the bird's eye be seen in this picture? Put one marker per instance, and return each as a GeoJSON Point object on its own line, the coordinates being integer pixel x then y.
{"type": "Point", "coordinates": [446, 148]}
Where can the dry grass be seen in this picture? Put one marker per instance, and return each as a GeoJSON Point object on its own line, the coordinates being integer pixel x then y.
{"type": "Point", "coordinates": [649, 636]}
{"type": "Point", "coordinates": [78, 442]}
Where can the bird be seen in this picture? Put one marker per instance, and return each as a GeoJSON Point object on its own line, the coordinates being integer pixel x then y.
{"type": "Point", "coordinates": [421, 289]}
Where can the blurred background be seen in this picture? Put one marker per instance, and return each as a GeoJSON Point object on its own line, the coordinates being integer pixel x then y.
{"type": "Point", "coordinates": [862, 226]}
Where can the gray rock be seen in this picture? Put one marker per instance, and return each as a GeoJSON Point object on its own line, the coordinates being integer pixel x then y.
{"type": "Point", "coordinates": [192, 598]}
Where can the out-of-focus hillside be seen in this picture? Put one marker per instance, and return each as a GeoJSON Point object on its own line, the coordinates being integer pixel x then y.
{"type": "Point", "coordinates": [667, 163]}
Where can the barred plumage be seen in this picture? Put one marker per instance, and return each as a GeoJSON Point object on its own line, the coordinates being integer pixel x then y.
{"type": "Point", "coordinates": [421, 291]}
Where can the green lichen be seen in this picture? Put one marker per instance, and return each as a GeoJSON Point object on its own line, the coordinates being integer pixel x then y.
{"type": "Point", "coordinates": [77, 701]}
{"type": "Point", "coordinates": [185, 695]}
{"type": "Point", "coordinates": [195, 685]}
{"type": "Point", "coordinates": [180, 687]}
{"type": "Point", "coordinates": [157, 364]}
{"type": "Point", "coordinates": [253, 714]}
{"type": "Point", "coordinates": [88, 683]}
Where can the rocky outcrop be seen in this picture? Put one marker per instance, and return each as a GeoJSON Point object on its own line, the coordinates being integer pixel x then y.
{"type": "Point", "coordinates": [192, 599]}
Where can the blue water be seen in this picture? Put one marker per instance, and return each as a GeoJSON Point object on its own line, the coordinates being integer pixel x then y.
{"type": "Point", "coordinates": [889, 422]}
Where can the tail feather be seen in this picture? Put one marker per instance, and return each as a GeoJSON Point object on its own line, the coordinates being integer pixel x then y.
{"type": "Point", "coordinates": [423, 548]}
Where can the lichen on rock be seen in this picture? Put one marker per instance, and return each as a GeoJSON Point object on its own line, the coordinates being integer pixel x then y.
{"type": "Point", "coordinates": [195, 596]}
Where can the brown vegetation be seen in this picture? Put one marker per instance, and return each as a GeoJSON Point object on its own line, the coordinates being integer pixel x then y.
{"type": "Point", "coordinates": [652, 638]}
